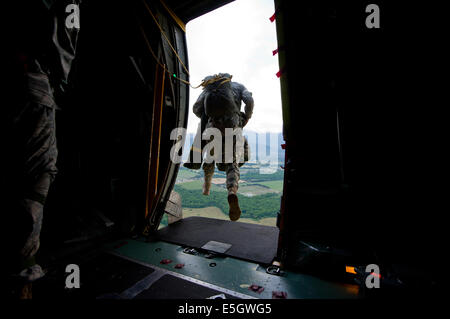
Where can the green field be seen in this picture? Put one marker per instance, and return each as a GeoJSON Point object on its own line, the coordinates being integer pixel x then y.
{"type": "Point", "coordinates": [198, 184]}
{"type": "Point", "coordinates": [254, 189]}
{"type": "Point", "coordinates": [256, 207]}
{"type": "Point", "coordinates": [275, 185]}
{"type": "Point", "coordinates": [259, 195]}
{"type": "Point", "coordinates": [188, 174]}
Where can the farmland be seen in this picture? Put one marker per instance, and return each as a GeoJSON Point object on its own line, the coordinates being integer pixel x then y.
{"type": "Point", "coordinates": [259, 195]}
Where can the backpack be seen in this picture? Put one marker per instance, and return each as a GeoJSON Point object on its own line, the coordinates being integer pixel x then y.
{"type": "Point", "coordinates": [219, 97]}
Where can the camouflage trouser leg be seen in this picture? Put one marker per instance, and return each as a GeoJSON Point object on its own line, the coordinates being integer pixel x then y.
{"type": "Point", "coordinates": [208, 170]}
{"type": "Point", "coordinates": [35, 155]}
{"type": "Point", "coordinates": [233, 174]}
{"type": "Point", "coordinates": [32, 206]}
{"type": "Point", "coordinates": [231, 168]}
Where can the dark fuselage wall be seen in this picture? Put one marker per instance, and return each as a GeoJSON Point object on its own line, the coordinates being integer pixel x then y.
{"type": "Point", "coordinates": [104, 127]}
{"type": "Point", "coordinates": [357, 150]}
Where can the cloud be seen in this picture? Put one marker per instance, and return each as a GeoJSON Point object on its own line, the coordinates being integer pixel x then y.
{"type": "Point", "coordinates": [238, 38]}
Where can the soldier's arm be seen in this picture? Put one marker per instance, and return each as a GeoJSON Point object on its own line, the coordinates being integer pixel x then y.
{"type": "Point", "coordinates": [198, 107]}
{"type": "Point", "coordinates": [249, 103]}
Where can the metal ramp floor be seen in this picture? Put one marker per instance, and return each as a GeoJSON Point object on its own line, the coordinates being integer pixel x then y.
{"type": "Point", "coordinates": [251, 242]}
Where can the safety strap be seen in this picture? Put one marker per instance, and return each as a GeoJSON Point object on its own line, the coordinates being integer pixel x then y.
{"type": "Point", "coordinates": [165, 36]}
{"type": "Point", "coordinates": [174, 16]}
{"type": "Point", "coordinates": [216, 78]}
{"type": "Point", "coordinates": [204, 83]}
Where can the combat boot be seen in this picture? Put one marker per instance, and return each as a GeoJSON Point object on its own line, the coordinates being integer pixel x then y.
{"type": "Point", "coordinates": [235, 210]}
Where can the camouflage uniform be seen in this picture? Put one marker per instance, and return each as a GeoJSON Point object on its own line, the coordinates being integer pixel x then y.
{"type": "Point", "coordinates": [225, 114]}
{"type": "Point", "coordinates": [42, 51]}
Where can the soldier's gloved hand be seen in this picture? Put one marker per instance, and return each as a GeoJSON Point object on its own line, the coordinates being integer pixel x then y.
{"type": "Point", "coordinates": [244, 119]}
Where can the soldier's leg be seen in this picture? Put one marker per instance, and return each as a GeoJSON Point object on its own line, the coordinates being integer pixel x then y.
{"type": "Point", "coordinates": [208, 170]}
{"type": "Point", "coordinates": [36, 153]}
{"type": "Point", "coordinates": [208, 165]}
{"type": "Point", "coordinates": [232, 171]}
{"type": "Point", "coordinates": [233, 176]}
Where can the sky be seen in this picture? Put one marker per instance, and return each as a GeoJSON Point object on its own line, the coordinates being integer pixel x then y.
{"type": "Point", "coordinates": [238, 39]}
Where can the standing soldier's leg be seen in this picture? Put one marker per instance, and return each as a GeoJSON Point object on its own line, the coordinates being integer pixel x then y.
{"type": "Point", "coordinates": [40, 170]}
{"type": "Point", "coordinates": [35, 155]}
